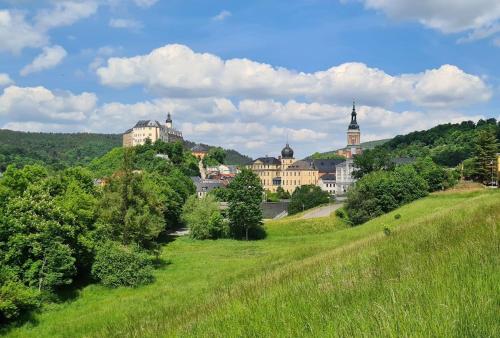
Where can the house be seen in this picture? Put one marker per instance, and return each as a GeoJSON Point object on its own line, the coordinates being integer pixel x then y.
{"type": "Point", "coordinates": [199, 151]}
{"type": "Point", "coordinates": [327, 183]}
{"type": "Point", "coordinates": [204, 186]}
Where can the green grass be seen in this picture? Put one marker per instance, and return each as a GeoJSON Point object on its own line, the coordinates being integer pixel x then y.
{"type": "Point", "coordinates": [436, 274]}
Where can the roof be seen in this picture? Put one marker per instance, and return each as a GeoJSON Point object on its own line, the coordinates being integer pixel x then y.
{"type": "Point", "coordinates": [199, 148]}
{"type": "Point", "coordinates": [301, 165]}
{"type": "Point", "coordinates": [326, 166]}
{"type": "Point", "coordinates": [206, 185]}
{"type": "Point", "coordinates": [128, 131]}
{"type": "Point", "coordinates": [268, 160]}
{"type": "Point", "coordinates": [147, 123]}
{"type": "Point", "coordinates": [328, 177]}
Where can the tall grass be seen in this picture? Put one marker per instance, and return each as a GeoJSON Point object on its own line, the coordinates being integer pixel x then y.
{"type": "Point", "coordinates": [434, 273]}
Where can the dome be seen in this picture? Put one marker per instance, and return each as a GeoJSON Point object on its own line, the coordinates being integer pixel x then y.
{"type": "Point", "coordinates": [287, 152]}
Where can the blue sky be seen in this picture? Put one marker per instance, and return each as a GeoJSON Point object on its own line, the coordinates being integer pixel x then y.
{"type": "Point", "coordinates": [245, 74]}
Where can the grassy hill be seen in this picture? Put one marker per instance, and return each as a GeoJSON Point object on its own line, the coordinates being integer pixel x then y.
{"type": "Point", "coordinates": [433, 272]}
{"type": "Point", "coordinates": [59, 150]}
{"type": "Point", "coordinates": [364, 146]}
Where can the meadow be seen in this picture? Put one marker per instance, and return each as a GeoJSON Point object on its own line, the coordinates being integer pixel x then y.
{"type": "Point", "coordinates": [433, 271]}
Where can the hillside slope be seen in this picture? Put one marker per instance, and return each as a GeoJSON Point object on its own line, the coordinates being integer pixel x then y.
{"type": "Point", "coordinates": [433, 272]}
{"type": "Point", "coordinates": [60, 150]}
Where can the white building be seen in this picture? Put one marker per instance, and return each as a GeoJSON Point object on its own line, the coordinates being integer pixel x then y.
{"type": "Point", "coordinates": [152, 130]}
{"type": "Point", "coordinates": [327, 183]}
{"type": "Point", "coordinates": [343, 176]}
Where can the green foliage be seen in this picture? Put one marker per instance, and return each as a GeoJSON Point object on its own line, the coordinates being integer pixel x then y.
{"type": "Point", "coordinates": [486, 148]}
{"type": "Point", "coordinates": [204, 219]}
{"type": "Point", "coordinates": [283, 194]}
{"type": "Point", "coordinates": [15, 299]}
{"type": "Point", "coordinates": [271, 196]}
{"type": "Point", "coordinates": [245, 214]}
{"type": "Point", "coordinates": [220, 194]}
{"type": "Point", "coordinates": [215, 156]}
{"type": "Point", "coordinates": [129, 213]}
{"type": "Point", "coordinates": [382, 191]}
{"type": "Point", "coordinates": [437, 177]}
{"type": "Point", "coordinates": [307, 197]}
{"type": "Point", "coordinates": [107, 164]}
{"type": "Point", "coordinates": [55, 150]}
{"type": "Point", "coordinates": [119, 265]}
{"type": "Point", "coordinates": [436, 275]}
{"type": "Point", "coordinates": [326, 156]}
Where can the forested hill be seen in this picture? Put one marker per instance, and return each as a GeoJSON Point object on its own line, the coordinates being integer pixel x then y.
{"type": "Point", "coordinates": [57, 150]}
{"type": "Point", "coordinates": [447, 144]}
{"type": "Point", "coordinates": [60, 150]}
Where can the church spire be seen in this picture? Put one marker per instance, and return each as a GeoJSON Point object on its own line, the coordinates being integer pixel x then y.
{"type": "Point", "coordinates": [354, 122]}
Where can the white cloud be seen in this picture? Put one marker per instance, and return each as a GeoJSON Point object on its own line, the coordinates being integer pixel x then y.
{"type": "Point", "coordinates": [222, 16]}
{"type": "Point", "coordinates": [49, 58]}
{"type": "Point", "coordinates": [125, 23]}
{"type": "Point", "coordinates": [177, 71]}
{"type": "Point", "coordinates": [5, 80]}
{"type": "Point", "coordinates": [64, 13]}
{"type": "Point", "coordinates": [39, 104]}
{"type": "Point", "coordinates": [16, 34]}
{"type": "Point", "coordinates": [145, 3]}
{"type": "Point", "coordinates": [482, 17]}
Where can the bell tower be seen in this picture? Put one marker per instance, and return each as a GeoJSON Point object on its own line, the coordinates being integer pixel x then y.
{"type": "Point", "coordinates": [168, 122]}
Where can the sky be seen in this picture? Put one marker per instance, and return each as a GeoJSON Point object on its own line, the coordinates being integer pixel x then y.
{"type": "Point", "coordinates": [249, 75]}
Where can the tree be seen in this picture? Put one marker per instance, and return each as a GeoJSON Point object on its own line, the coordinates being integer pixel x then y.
{"type": "Point", "coordinates": [436, 177]}
{"type": "Point", "coordinates": [372, 160]}
{"type": "Point", "coordinates": [283, 194]}
{"type": "Point", "coordinates": [326, 156]}
{"type": "Point", "coordinates": [245, 197]}
{"type": "Point", "coordinates": [203, 217]}
{"type": "Point", "coordinates": [485, 155]}
{"type": "Point", "coordinates": [382, 191]}
{"type": "Point", "coordinates": [306, 197]}
{"type": "Point", "coordinates": [128, 212]}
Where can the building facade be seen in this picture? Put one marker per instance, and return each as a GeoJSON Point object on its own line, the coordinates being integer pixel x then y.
{"type": "Point", "coordinates": [152, 130]}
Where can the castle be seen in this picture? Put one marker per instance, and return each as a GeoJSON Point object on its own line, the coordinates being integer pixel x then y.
{"type": "Point", "coordinates": [152, 130]}
{"type": "Point", "coordinates": [332, 175]}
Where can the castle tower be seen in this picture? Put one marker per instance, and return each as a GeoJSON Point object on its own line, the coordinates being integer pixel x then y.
{"type": "Point", "coordinates": [286, 157]}
{"type": "Point", "coordinates": [168, 122]}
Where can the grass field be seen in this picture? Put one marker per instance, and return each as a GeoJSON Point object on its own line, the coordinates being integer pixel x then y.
{"type": "Point", "coordinates": [433, 272]}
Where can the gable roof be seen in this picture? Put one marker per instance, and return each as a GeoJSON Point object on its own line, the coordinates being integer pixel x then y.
{"type": "Point", "coordinates": [200, 148]}
{"type": "Point", "coordinates": [328, 177]}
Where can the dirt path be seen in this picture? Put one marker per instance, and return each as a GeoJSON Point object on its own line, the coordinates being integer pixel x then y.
{"type": "Point", "coordinates": [322, 211]}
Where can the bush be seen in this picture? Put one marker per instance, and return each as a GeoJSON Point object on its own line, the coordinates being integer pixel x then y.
{"type": "Point", "coordinates": [382, 191]}
{"type": "Point", "coordinates": [306, 197]}
{"type": "Point", "coordinates": [341, 213]}
{"type": "Point", "coordinates": [204, 219]}
{"type": "Point", "coordinates": [16, 299]}
{"type": "Point", "coordinates": [397, 216]}
{"type": "Point", "coordinates": [119, 265]}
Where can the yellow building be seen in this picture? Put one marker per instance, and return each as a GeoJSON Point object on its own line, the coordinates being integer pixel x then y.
{"type": "Point", "coordinates": [152, 130]}
{"type": "Point", "coordinates": [284, 171]}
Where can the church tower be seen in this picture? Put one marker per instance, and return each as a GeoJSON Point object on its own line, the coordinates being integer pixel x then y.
{"type": "Point", "coordinates": [353, 132]}
{"type": "Point", "coordinates": [168, 122]}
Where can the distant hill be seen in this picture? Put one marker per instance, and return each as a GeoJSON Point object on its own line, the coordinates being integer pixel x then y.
{"type": "Point", "coordinates": [232, 156]}
{"type": "Point", "coordinates": [364, 146]}
{"type": "Point", "coordinates": [60, 150]}
{"type": "Point", "coordinates": [57, 150]}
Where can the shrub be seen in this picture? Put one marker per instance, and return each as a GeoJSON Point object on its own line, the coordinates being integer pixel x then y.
{"type": "Point", "coordinates": [382, 191]}
{"type": "Point", "coordinates": [397, 216]}
{"type": "Point", "coordinates": [16, 299]}
{"type": "Point", "coordinates": [341, 213]}
{"type": "Point", "coordinates": [306, 197]}
{"type": "Point", "coordinates": [119, 265]}
{"type": "Point", "coordinates": [204, 219]}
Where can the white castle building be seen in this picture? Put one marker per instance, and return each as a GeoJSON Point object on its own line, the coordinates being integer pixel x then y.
{"type": "Point", "coordinates": [153, 130]}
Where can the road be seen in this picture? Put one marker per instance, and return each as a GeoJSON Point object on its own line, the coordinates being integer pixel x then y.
{"type": "Point", "coordinates": [322, 211]}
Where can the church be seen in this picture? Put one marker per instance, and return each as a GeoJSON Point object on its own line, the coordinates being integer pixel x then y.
{"type": "Point", "coordinates": [332, 175]}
